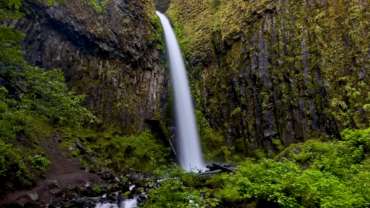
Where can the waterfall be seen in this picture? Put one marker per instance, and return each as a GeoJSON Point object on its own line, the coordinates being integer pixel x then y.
{"type": "Point", "coordinates": [187, 138]}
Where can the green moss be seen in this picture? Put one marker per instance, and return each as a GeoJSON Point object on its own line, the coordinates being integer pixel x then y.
{"type": "Point", "coordinates": [109, 149]}
{"type": "Point", "coordinates": [213, 142]}
{"type": "Point", "coordinates": [314, 56]}
{"type": "Point", "coordinates": [157, 36]}
{"type": "Point", "coordinates": [39, 162]}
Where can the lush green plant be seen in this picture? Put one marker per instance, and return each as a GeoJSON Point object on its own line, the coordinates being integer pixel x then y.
{"type": "Point", "coordinates": [33, 103]}
{"type": "Point", "coordinates": [140, 152]}
{"type": "Point", "coordinates": [39, 162]}
{"type": "Point", "coordinates": [47, 93]}
{"type": "Point", "coordinates": [180, 189]}
{"type": "Point", "coordinates": [213, 142]}
{"type": "Point", "coordinates": [287, 185]}
{"type": "Point", "coordinates": [98, 5]}
{"type": "Point", "coordinates": [157, 37]}
{"type": "Point", "coordinates": [11, 162]}
{"type": "Point", "coordinates": [312, 174]}
{"type": "Point", "coordinates": [173, 193]}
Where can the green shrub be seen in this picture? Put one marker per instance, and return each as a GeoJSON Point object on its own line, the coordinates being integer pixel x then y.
{"type": "Point", "coordinates": [213, 143]}
{"type": "Point", "coordinates": [312, 174]}
{"type": "Point", "coordinates": [33, 103]}
{"type": "Point", "coordinates": [39, 162]}
{"type": "Point", "coordinates": [287, 185]}
{"type": "Point", "coordinates": [48, 94]}
{"type": "Point", "coordinates": [359, 138]}
{"type": "Point", "coordinates": [173, 194]}
{"type": "Point", "coordinates": [140, 152]}
{"type": "Point", "coordinates": [13, 169]}
{"type": "Point", "coordinates": [179, 189]}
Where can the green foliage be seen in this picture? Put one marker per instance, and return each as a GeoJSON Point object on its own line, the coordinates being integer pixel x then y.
{"type": "Point", "coordinates": [360, 138]}
{"type": "Point", "coordinates": [12, 166]}
{"type": "Point", "coordinates": [140, 152]}
{"type": "Point", "coordinates": [181, 190]}
{"type": "Point", "coordinates": [39, 162]}
{"type": "Point", "coordinates": [173, 193]}
{"type": "Point", "coordinates": [286, 184]}
{"type": "Point", "coordinates": [13, 4]}
{"type": "Point", "coordinates": [47, 94]}
{"type": "Point", "coordinates": [157, 36]}
{"type": "Point", "coordinates": [10, 52]}
{"type": "Point", "coordinates": [98, 5]}
{"type": "Point", "coordinates": [9, 9]}
{"type": "Point", "coordinates": [33, 103]}
{"type": "Point", "coordinates": [213, 143]}
{"type": "Point", "coordinates": [312, 174]}
{"type": "Point", "coordinates": [42, 97]}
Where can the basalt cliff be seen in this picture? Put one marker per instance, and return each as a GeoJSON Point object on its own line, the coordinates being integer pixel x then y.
{"type": "Point", "coordinates": [110, 55]}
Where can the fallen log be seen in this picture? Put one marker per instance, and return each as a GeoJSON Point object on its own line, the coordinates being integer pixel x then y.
{"type": "Point", "coordinates": [222, 167]}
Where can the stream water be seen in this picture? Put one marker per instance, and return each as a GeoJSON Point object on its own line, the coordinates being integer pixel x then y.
{"type": "Point", "coordinates": [128, 203]}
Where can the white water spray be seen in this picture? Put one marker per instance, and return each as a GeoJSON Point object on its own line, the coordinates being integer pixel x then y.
{"type": "Point", "coordinates": [188, 145]}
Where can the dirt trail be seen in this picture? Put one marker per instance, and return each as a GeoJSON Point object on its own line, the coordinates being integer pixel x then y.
{"type": "Point", "coordinates": [64, 172]}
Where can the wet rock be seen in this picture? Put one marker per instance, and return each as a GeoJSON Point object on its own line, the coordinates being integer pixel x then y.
{"type": "Point", "coordinates": [81, 147]}
{"type": "Point", "coordinates": [33, 196]}
{"type": "Point", "coordinates": [162, 5]}
{"type": "Point", "coordinates": [53, 184]}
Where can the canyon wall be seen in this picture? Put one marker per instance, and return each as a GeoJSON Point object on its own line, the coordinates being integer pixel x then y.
{"type": "Point", "coordinates": [109, 52]}
{"type": "Point", "coordinates": [271, 73]}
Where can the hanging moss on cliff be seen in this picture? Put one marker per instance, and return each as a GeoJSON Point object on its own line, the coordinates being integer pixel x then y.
{"type": "Point", "coordinates": [277, 70]}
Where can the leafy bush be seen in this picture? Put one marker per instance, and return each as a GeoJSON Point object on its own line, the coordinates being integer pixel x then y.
{"type": "Point", "coordinates": [180, 189]}
{"type": "Point", "coordinates": [213, 142]}
{"type": "Point", "coordinates": [13, 169]}
{"type": "Point", "coordinates": [33, 103]}
{"type": "Point", "coordinates": [48, 94]}
{"type": "Point", "coordinates": [173, 194]}
{"type": "Point", "coordinates": [287, 185]}
{"type": "Point", "coordinates": [140, 152]}
{"type": "Point", "coordinates": [39, 162]}
{"type": "Point", "coordinates": [312, 174]}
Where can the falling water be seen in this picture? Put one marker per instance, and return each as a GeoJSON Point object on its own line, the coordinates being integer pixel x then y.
{"type": "Point", "coordinates": [189, 150]}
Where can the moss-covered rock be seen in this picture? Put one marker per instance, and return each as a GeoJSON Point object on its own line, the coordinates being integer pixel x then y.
{"type": "Point", "coordinates": [264, 71]}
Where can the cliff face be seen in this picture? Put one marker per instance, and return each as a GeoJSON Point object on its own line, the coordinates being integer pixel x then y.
{"type": "Point", "coordinates": [267, 73]}
{"type": "Point", "coordinates": [110, 55]}
{"type": "Point", "coordinates": [162, 5]}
